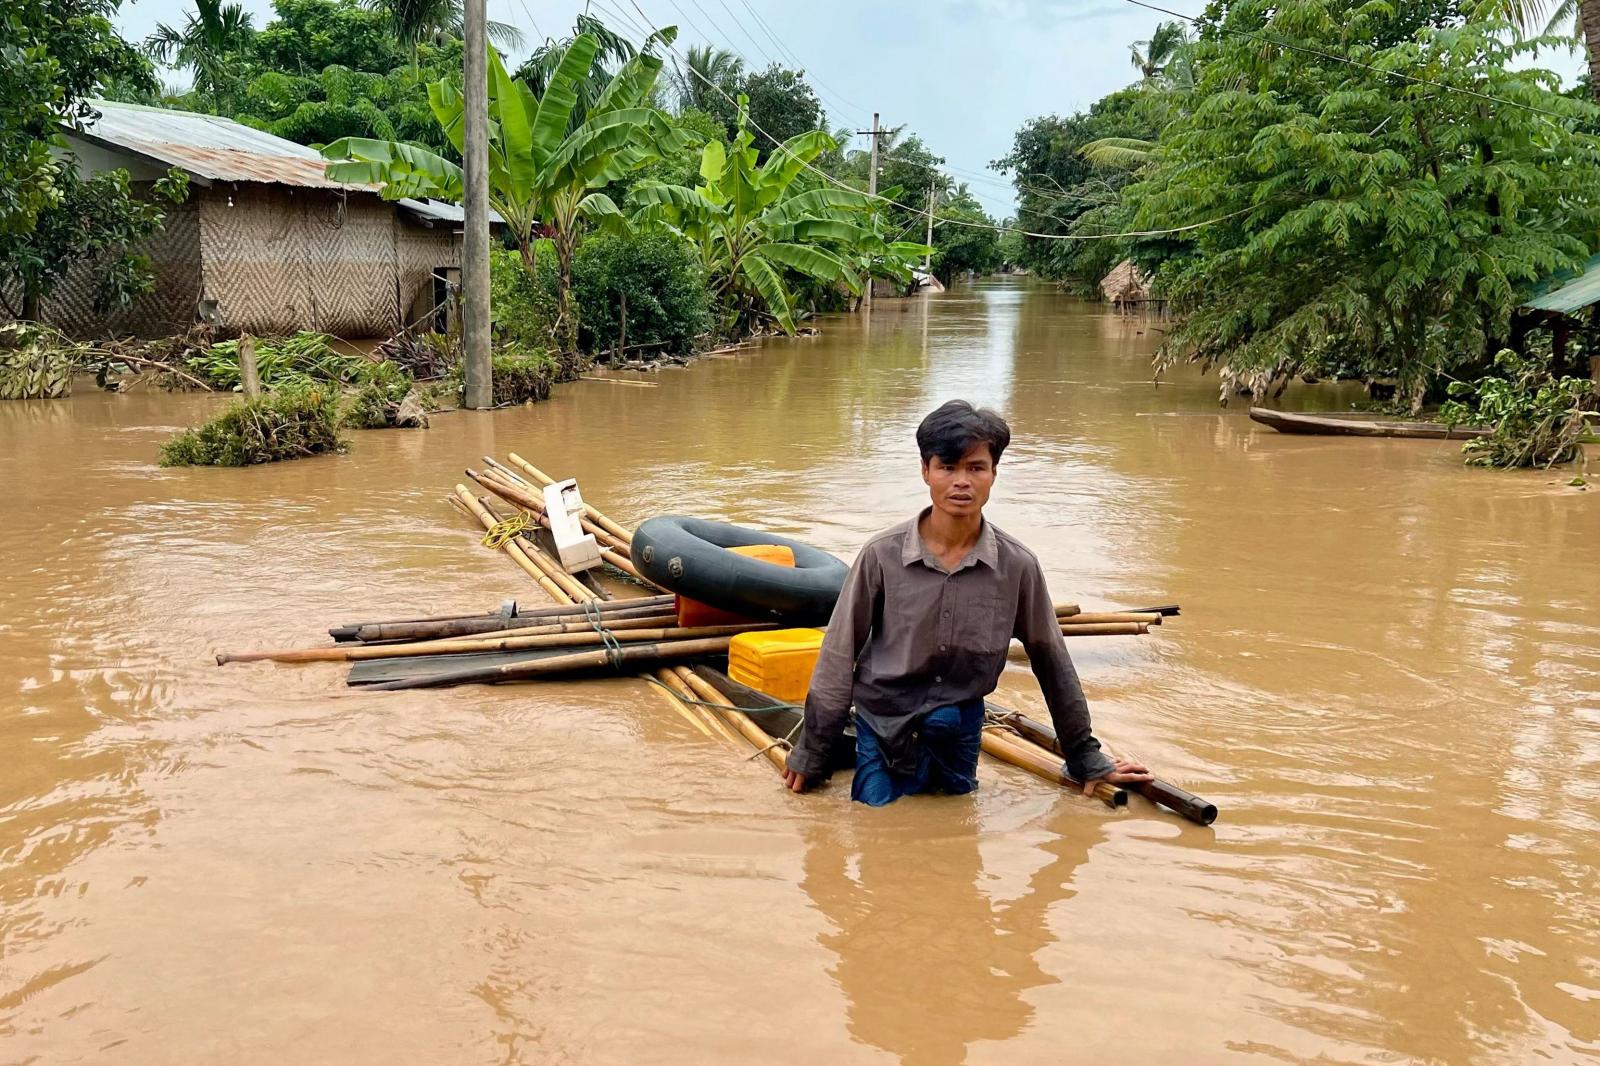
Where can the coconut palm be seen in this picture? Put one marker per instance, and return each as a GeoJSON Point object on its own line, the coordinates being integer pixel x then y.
{"type": "Point", "coordinates": [613, 51]}
{"type": "Point", "coordinates": [209, 35]}
{"type": "Point", "coordinates": [540, 175]}
{"type": "Point", "coordinates": [703, 67]}
{"type": "Point", "coordinates": [1579, 19]}
{"type": "Point", "coordinates": [1151, 57]}
{"type": "Point", "coordinates": [417, 22]}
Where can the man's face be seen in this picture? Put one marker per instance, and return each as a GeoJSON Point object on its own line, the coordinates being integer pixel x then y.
{"type": "Point", "coordinates": [960, 489]}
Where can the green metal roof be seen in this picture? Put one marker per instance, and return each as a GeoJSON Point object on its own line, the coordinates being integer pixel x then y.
{"type": "Point", "coordinates": [1567, 292]}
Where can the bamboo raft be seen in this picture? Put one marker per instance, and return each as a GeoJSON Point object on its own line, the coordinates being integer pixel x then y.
{"type": "Point", "coordinates": [585, 630]}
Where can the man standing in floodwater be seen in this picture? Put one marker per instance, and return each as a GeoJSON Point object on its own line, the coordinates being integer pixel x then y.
{"type": "Point", "coordinates": [920, 633]}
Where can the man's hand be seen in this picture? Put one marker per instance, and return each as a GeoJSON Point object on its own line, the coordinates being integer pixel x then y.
{"type": "Point", "coordinates": [1124, 773]}
{"type": "Point", "coordinates": [795, 781]}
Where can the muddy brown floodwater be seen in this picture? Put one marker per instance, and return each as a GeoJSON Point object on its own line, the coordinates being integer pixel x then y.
{"type": "Point", "coordinates": [1387, 674]}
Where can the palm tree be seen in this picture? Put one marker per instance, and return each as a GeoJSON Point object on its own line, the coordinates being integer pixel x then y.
{"type": "Point", "coordinates": [704, 66]}
{"type": "Point", "coordinates": [416, 22]}
{"type": "Point", "coordinates": [212, 33]}
{"type": "Point", "coordinates": [1580, 17]}
{"type": "Point", "coordinates": [1151, 57]}
{"type": "Point", "coordinates": [612, 50]}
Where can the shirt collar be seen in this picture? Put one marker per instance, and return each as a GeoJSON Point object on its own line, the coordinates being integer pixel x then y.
{"type": "Point", "coordinates": [986, 550]}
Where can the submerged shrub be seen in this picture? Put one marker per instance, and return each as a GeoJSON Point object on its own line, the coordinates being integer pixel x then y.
{"type": "Point", "coordinates": [668, 300]}
{"type": "Point", "coordinates": [1535, 418]}
{"type": "Point", "coordinates": [521, 375]}
{"type": "Point", "coordinates": [293, 423]}
{"type": "Point", "coordinates": [386, 399]}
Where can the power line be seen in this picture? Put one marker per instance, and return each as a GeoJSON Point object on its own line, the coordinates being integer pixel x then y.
{"type": "Point", "coordinates": [919, 211]}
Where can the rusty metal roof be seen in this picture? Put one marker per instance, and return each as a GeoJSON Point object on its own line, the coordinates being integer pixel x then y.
{"type": "Point", "coordinates": [209, 147]}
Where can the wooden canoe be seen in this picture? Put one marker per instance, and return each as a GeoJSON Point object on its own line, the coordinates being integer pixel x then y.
{"type": "Point", "coordinates": [1335, 425]}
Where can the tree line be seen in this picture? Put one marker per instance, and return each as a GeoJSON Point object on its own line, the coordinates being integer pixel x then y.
{"type": "Point", "coordinates": [1332, 188]}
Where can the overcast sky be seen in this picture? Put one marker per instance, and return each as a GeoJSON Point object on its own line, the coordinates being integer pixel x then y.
{"type": "Point", "coordinates": [963, 74]}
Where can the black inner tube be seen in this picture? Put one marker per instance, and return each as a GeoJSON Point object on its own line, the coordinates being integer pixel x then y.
{"type": "Point", "coordinates": [686, 555]}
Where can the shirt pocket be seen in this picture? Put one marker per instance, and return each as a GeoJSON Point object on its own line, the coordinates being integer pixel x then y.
{"type": "Point", "coordinates": [984, 623]}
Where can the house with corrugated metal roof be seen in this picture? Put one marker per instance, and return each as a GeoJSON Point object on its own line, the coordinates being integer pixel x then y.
{"type": "Point", "coordinates": [265, 243]}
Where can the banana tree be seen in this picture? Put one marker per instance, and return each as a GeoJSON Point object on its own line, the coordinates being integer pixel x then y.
{"type": "Point", "coordinates": [541, 177]}
{"type": "Point", "coordinates": [751, 223]}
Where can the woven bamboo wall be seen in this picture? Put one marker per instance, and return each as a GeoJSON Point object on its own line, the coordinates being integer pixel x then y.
{"type": "Point", "coordinates": [276, 260]}
{"type": "Point", "coordinates": [418, 251]}
{"type": "Point", "coordinates": [281, 260]}
{"type": "Point", "coordinates": [252, 244]}
{"type": "Point", "coordinates": [175, 256]}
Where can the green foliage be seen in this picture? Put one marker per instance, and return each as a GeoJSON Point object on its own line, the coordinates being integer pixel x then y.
{"type": "Point", "coordinates": [96, 221]}
{"type": "Point", "coordinates": [293, 423]}
{"type": "Point", "coordinates": [1345, 214]}
{"type": "Point", "coordinates": [308, 36]}
{"type": "Point", "coordinates": [696, 78]}
{"type": "Point", "coordinates": [781, 107]}
{"type": "Point", "coordinates": [210, 40]}
{"type": "Point", "coordinates": [54, 54]}
{"type": "Point", "coordinates": [37, 362]}
{"type": "Point", "coordinates": [1535, 417]}
{"type": "Point", "coordinates": [667, 297]}
{"type": "Point", "coordinates": [522, 374]}
{"type": "Point", "coordinates": [385, 399]}
{"type": "Point", "coordinates": [539, 172]}
{"type": "Point", "coordinates": [957, 248]}
{"type": "Point", "coordinates": [1062, 192]}
{"type": "Point", "coordinates": [522, 302]}
{"type": "Point", "coordinates": [300, 360]}
{"type": "Point", "coordinates": [751, 225]}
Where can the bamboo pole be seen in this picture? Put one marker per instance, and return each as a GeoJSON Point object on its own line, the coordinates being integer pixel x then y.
{"type": "Point", "coordinates": [563, 664]}
{"type": "Point", "coordinates": [685, 712]}
{"type": "Point", "coordinates": [669, 676]}
{"type": "Point", "coordinates": [574, 589]}
{"type": "Point", "coordinates": [1008, 747]}
{"type": "Point", "coordinates": [498, 624]}
{"type": "Point", "coordinates": [553, 636]}
{"type": "Point", "coordinates": [1064, 609]}
{"type": "Point", "coordinates": [524, 497]}
{"type": "Point", "coordinates": [510, 547]}
{"type": "Point", "coordinates": [1110, 616]}
{"type": "Point", "coordinates": [543, 479]}
{"type": "Point", "coordinates": [741, 721]}
{"type": "Point", "coordinates": [1105, 629]}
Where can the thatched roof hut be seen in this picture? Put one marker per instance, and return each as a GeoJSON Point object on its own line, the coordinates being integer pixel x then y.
{"type": "Point", "coordinates": [1125, 284]}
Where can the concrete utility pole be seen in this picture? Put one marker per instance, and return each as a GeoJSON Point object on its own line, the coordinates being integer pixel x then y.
{"type": "Point", "coordinates": [872, 188]}
{"type": "Point", "coordinates": [475, 242]}
{"type": "Point", "coordinates": [927, 258]}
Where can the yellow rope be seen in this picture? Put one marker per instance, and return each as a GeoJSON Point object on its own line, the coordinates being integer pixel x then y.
{"type": "Point", "coordinates": [507, 529]}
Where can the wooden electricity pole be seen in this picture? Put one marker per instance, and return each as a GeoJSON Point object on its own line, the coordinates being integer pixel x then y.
{"type": "Point", "coordinates": [475, 241]}
{"type": "Point", "coordinates": [872, 189]}
{"type": "Point", "coordinates": [927, 257]}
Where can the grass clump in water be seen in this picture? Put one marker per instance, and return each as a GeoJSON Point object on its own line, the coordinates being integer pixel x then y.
{"type": "Point", "coordinates": [386, 399]}
{"type": "Point", "coordinates": [292, 423]}
{"type": "Point", "coordinates": [521, 375]}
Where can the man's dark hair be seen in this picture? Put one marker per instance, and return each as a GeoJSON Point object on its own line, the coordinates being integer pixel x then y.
{"type": "Point", "coordinates": [952, 430]}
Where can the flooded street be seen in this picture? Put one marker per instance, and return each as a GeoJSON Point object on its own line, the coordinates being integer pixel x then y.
{"type": "Point", "coordinates": [1386, 674]}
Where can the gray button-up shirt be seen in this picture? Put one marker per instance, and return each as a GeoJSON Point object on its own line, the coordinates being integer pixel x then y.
{"type": "Point", "coordinates": [909, 636]}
